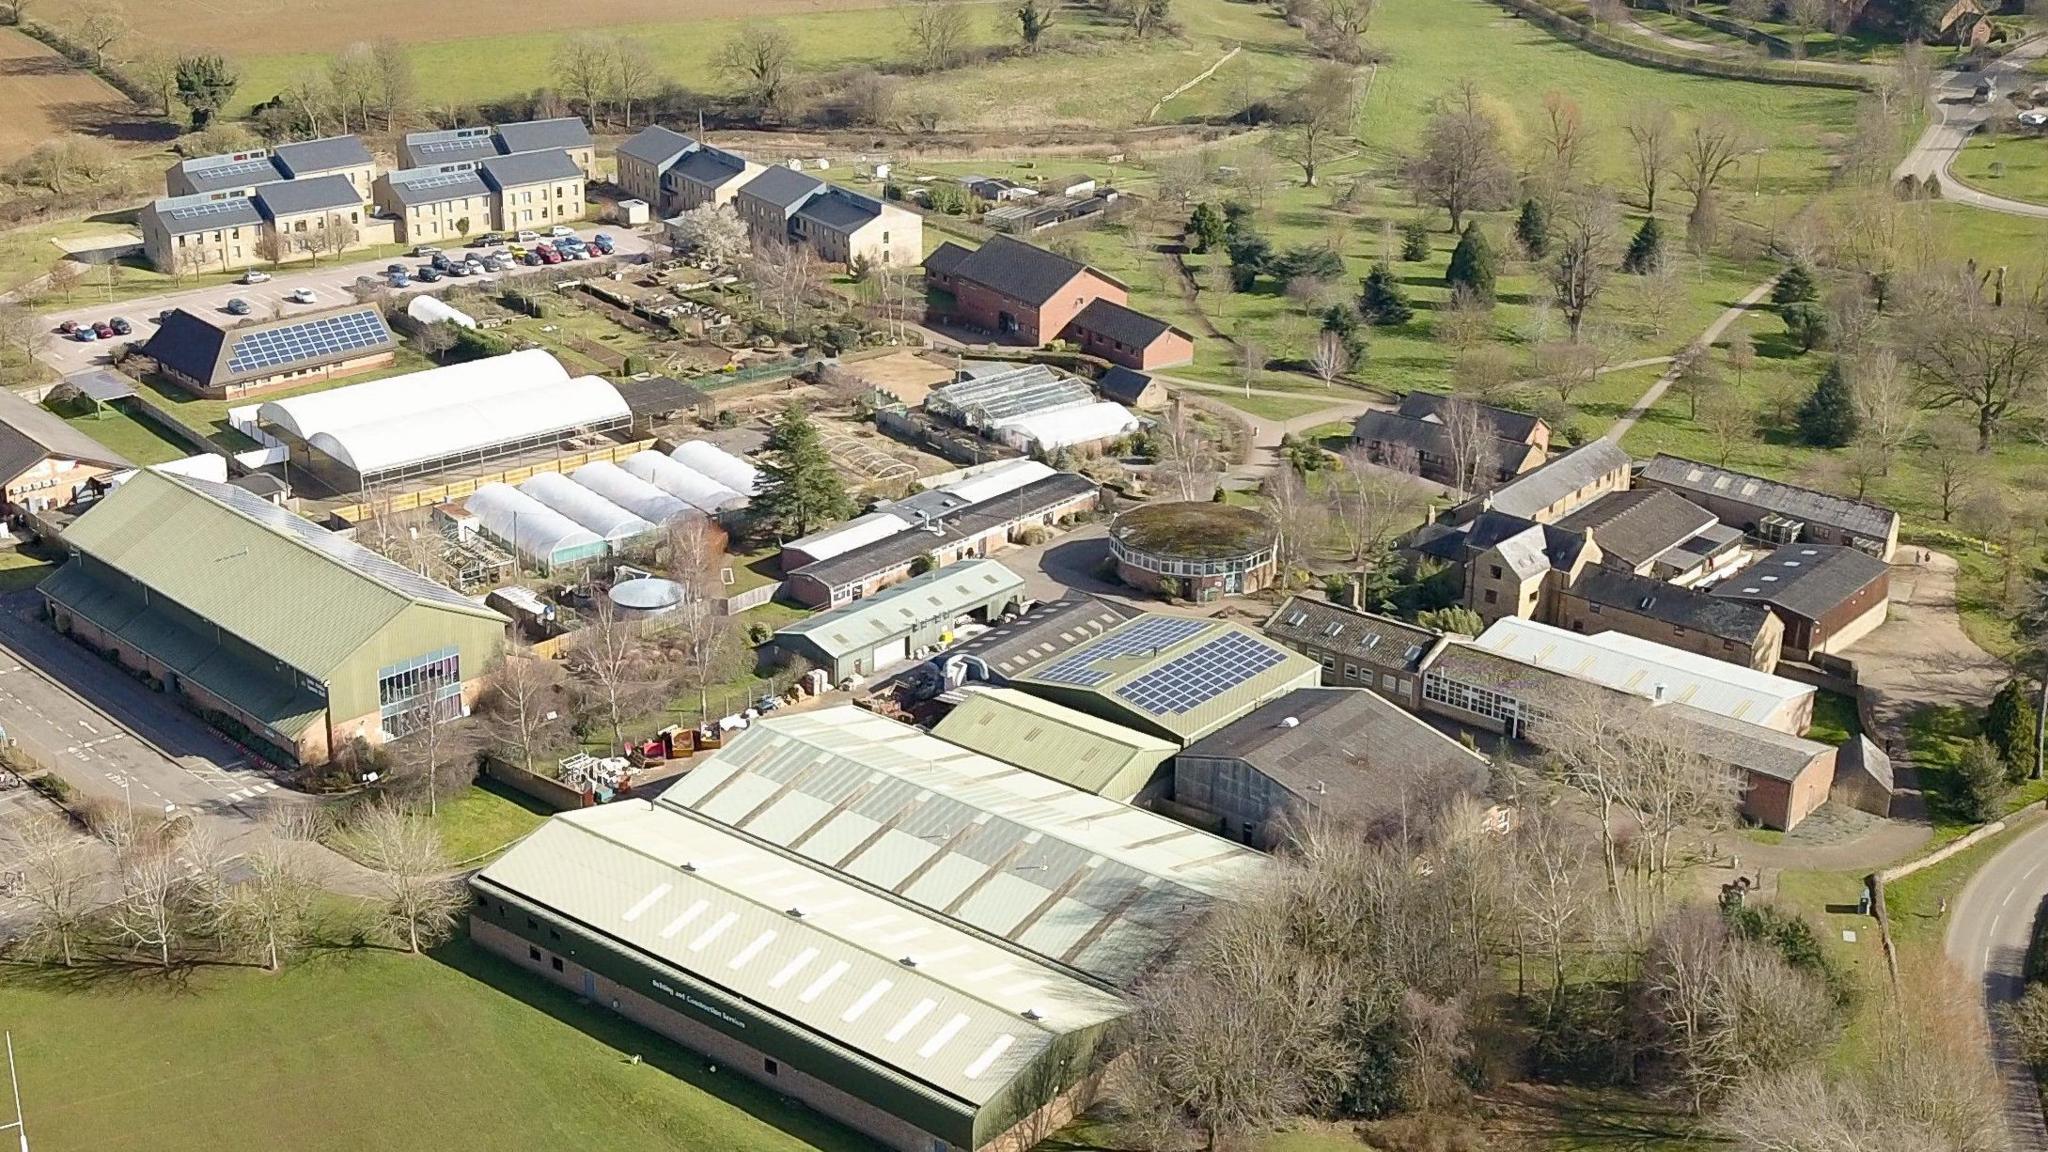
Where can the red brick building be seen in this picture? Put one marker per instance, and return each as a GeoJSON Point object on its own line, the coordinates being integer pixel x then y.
{"type": "Point", "coordinates": [1027, 295]}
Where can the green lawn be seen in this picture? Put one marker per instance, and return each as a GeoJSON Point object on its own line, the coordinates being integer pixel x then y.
{"type": "Point", "coordinates": [484, 819]}
{"type": "Point", "coordinates": [20, 570]}
{"type": "Point", "coordinates": [363, 1050]}
{"type": "Point", "coordinates": [2013, 166]}
{"type": "Point", "coordinates": [136, 440]}
{"type": "Point", "coordinates": [1834, 719]}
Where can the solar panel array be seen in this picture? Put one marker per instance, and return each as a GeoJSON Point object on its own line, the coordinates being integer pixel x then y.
{"type": "Point", "coordinates": [443, 179]}
{"type": "Point", "coordinates": [1143, 636]}
{"type": "Point", "coordinates": [262, 168]}
{"type": "Point", "coordinates": [315, 339]}
{"type": "Point", "coordinates": [1189, 681]}
{"type": "Point", "coordinates": [209, 207]}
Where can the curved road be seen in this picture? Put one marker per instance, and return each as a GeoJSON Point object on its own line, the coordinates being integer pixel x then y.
{"type": "Point", "coordinates": [1955, 118]}
{"type": "Point", "coordinates": [1988, 932]}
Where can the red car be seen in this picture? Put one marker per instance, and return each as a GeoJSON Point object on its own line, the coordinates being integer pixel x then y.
{"type": "Point", "coordinates": [103, 331]}
{"type": "Point", "coordinates": [68, 327]}
{"type": "Point", "coordinates": [550, 256]}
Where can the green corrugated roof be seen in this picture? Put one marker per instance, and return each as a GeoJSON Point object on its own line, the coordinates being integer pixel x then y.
{"type": "Point", "coordinates": [273, 699]}
{"type": "Point", "coordinates": [279, 583]}
{"type": "Point", "coordinates": [1053, 740]}
{"type": "Point", "coordinates": [897, 610]}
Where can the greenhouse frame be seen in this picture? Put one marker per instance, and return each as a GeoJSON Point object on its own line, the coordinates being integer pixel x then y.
{"type": "Point", "coordinates": [1067, 428]}
{"type": "Point", "coordinates": [986, 401]}
{"type": "Point", "coordinates": [543, 537]}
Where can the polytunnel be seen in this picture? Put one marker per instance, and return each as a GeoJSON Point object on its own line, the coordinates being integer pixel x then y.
{"type": "Point", "coordinates": [683, 482]}
{"type": "Point", "coordinates": [718, 464]}
{"type": "Point", "coordinates": [630, 492]}
{"type": "Point", "coordinates": [543, 536]}
{"type": "Point", "coordinates": [585, 507]}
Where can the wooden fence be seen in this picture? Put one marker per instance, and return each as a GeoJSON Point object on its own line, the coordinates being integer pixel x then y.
{"type": "Point", "coordinates": [457, 489]}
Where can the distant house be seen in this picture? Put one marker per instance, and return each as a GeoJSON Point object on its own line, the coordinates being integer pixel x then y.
{"type": "Point", "coordinates": [675, 173]}
{"type": "Point", "coordinates": [1357, 649]}
{"type": "Point", "coordinates": [44, 461]}
{"type": "Point", "coordinates": [240, 173]}
{"type": "Point", "coordinates": [343, 156]}
{"type": "Point", "coordinates": [1131, 388]}
{"type": "Point", "coordinates": [1026, 294]}
{"type": "Point", "coordinates": [1513, 567]}
{"type": "Point", "coordinates": [785, 206]}
{"type": "Point", "coordinates": [278, 221]}
{"type": "Point", "coordinates": [1653, 532]}
{"type": "Point", "coordinates": [995, 189]}
{"type": "Point", "coordinates": [1605, 599]}
{"type": "Point", "coordinates": [1828, 596]}
{"type": "Point", "coordinates": [1546, 493]}
{"type": "Point", "coordinates": [534, 189]}
{"type": "Point", "coordinates": [1414, 439]}
{"type": "Point", "coordinates": [250, 359]}
{"type": "Point", "coordinates": [1127, 337]}
{"type": "Point", "coordinates": [1776, 512]}
{"type": "Point", "coordinates": [1341, 752]}
{"type": "Point", "coordinates": [432, 205]}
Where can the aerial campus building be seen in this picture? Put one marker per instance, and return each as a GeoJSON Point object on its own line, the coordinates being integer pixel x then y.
{"type": "Point", "coordinates": [274, 628]}
{"type": "Point", "coordinates": [921, 942]}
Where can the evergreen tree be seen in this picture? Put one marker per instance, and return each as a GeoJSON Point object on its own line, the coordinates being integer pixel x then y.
{"type": "Point", "coordinates": [1828, 417]}
{"type": "Point", "coordinates": [800, 490]}
{"type": "Point", "coordinates": [1339, 318]}
{"type": "Point", "coordinates": [1646, 251]}
{"type": "Point", "coordinates": [1979, 781]}
{"type": "Point", "coordinates": [1415, 240]}
{"type": "Point", "coordinates": [1472, 264]}
{"type": "Point", "coordinates": [1382, 301]}
{"type": "Point", "coordinates": [1795, 285]}
{"type": "Point", "coordinates": [1808, 324]}
{"type": "Point", "coordinates": [1250, 256]}
{"type": "Point", "coordinates": [1206, 227]}
{"type": "Point", "coordinates": [2009, 725]}
{"type": "Point", "coordinates": [1532, 228]}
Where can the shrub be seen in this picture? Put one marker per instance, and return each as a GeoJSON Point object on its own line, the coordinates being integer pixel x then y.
{"type": "Point", "coordinates": [1979, 781]}
{"type": "Point", "coordinates": [1795, 285]}
{"type": "Point", "coordinates": [1415, 240]}
{"type": "Point", "coordinates": [2009, 725]}
{"type": "Point", "coordinates": [1472, 264]}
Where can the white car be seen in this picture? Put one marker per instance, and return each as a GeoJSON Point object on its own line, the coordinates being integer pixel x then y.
{"type": "Point", "coordinates": [561, 230]}
{"type": "Point", "coordinates": [252, 276]}
{"type": "Point", "coordinates": [302, 296]}
{"type": "Point", "coordinates": [527, 237]}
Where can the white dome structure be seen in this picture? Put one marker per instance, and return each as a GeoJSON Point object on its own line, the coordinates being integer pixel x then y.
{"type": "Point", "coordinates": [585, 507]}
{"type": "Point", "coordinates": [720, 465]}
{"type": "Point", "coordinates": [306, 416]}
{"type": "Point", "coordinates": [630, 492]}
{"type": "Point", "coordinates": [434, 310]}
{"type": "Point", "coordinates": [647, 596]}
{"type": "Point", "coordinates": [682, 482]}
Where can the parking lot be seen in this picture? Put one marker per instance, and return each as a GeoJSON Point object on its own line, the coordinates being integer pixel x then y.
{"type": "Point", "coordinates": [329, 284]}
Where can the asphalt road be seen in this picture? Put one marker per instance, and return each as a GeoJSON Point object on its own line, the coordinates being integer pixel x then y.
{"type": "Point", "coordinates": [330, 284]}
{"type": "Point", "coordinates": [1988, 932]}
{"type": "Point", "coordinates": [1955, 117]}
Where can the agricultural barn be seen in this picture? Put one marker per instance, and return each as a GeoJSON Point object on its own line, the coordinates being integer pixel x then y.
{"type": "Point", "coordinates": [1177, 677]}
{"type": "Point", "coordinates": [1828, 596]}
{"type": "Point", "coordinates": [276, 629]}
{"type": "Point", "coordinates": [860, 638]}
{"type": "Point", "coordinates": [1776, 512]}
{"type": "Point", "coordinates": [1057, 742]}
{"type": "Point", "coordinates": [423, 422]}
{"type": "Point", "coordinates": [883, 1015]}
{"type": "Point", "coordinates": [44, 461]}
{"type": "Point", "coordinates": [1079, 881]}
{"type": "Point", "coordinates": [249, 359]}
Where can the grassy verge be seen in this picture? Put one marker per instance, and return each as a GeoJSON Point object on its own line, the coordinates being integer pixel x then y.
{"type": "Point", "coordinates": [1834, 719]}
{"type": "Point", "coordinates": [484, 819]}
{"type": "Point", "coordinates": [20, 570]}
{"type": "Point", "coordinates": [2010, 166]}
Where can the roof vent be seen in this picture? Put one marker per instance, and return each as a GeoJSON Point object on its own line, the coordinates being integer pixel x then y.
{"type": "Point", "coordinates": [1034, 1014]}
{"type": "Point", "coordinates": [794, 913]}
{"type": "Point", "coordinates": [908, 961]}
{"type": "Point", "coordinates": [1657, 690]}
{"type": "Point", "coordinates": [687, 866]}
{"type": "Point", "coordinates": [1290, 722]}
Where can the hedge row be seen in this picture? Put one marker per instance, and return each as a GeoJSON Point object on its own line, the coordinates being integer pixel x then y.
{"type": "Point", "coordinates": [1596, 40]}
{"type": "Point", "coordinates": [125, 84]}
{"type": "Point", "coordinates": [1776, 45]}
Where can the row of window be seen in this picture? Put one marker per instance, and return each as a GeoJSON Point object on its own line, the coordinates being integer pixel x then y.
{"type": "Point", "coordinates": [426, 686]}
{"type": "Point", "coordinates": [1145, 561]}
{"type": "Point", "coordinates": [1360, 674]}
{"type": "Point", "coordinates": [1472, 698]}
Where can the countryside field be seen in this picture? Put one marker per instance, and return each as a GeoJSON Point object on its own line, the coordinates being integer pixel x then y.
{"type": "Point", "coordinates": [44, 96]}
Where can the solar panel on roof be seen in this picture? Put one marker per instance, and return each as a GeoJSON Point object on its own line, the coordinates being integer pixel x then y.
{"type": "Point", "coordinates": [208, 207]}
{"type": "Point", "coordinates": [442, 179]}
{"type": "Point", "coordinates": [317, 339]}
{"type": "Point", "coordinates": [1156, 632]}
{"type": "Point", "coordinates": [1194, 679]}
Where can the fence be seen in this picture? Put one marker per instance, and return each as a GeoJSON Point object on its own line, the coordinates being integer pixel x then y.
{"type": "Point", "coordinates": [751, 598]}
{"type": "Point", "coordinates": [765, 370]}
{"type": "Point", "coordinates": [1606, 44]}
{"type": "Point", "coordinates": [552, 794]}
{"type": "Point", "coordinates": [457, 489]}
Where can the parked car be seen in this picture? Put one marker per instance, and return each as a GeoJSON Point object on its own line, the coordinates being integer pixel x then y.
{"type": "Point", "coordinates": [238, 307]}
{"type": "Point", "coordinates": [440, 261]}
{"type": "Point", "coordinates": [427, 274]}
{"type": "Point", "coordinates": [602, 245]}
{"type": "Point", "coordinates": [121, 326]}
{"type": "Point", "coordinates": [532, 259]}
{"type": "Point", "coordinates": [103, 330]}
{"type": "Point", "coordinates": [254, 276]}
{"type": "Point", "coordinates": [424, 250]}
{"type": "Point", "coordinates": [393, 269]}
{"type": "Point", "coordinates": [85, 335]}
{"type": "Point", "coordinates": [496, 264]}
{"type": "Point", "coordinates": [474, 263]}
{"type": "Point", "coordinates": [550, 256]}
{"type": "Point", "coordinates": [561, 230]}
{"type": "Point", "coordinates": [302, 296]}
{"type": "Point", "coordinates": [527, 236]}
{"type": "Point", "coordinates": [68, 327]}
{"type": "Point", "coordinates": [455, 268]}
{"type": "Point", "coordinates": [486, 240]}
{"type": "Point", "coordinates": [399, 279]}
{"type": "Point", "coordinates": [164, 315]}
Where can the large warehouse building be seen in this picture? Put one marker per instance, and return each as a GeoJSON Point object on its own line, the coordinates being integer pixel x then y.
{"type": "Point", "coordinates": [423, 422]}
{"type": "Point", "coordinates": [868, 635]}
{"type": "Point", "coordinates": [273, 627]}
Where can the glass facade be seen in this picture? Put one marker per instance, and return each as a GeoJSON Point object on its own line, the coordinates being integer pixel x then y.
{"type": "Point", "coordinates": [1477, 700]}
{"type": "Point", "coordinates": [406, 691]}
{"type": "Point", "coordinates": [1171, 566]}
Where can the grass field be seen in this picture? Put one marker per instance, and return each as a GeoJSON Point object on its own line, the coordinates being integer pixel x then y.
{"type": "Point", "coordinates": [484, 819]}
{"type": "Point", "coordinates": [2010, 166]}
{"type": "Point", "coordinates": [20, 570]}
{"type": "Point", "coordinates": [365, 1050]}
{"type": "Point", "coordinates": [134, 439]}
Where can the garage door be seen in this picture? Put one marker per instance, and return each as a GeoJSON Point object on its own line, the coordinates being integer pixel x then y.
{"type": "Point", "coordinates": [894, 652]}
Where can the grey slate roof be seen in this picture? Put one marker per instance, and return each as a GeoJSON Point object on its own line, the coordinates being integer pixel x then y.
{"type": "Point", "coordinates": [839, 209]}
{"type": "Point", "coordinates": [1686, 608]}
{"type": "Point", "coordinates": [432, 185]}
{"type": "Point", "coordinates": [536, 135]}
{"type": "Point", "coordinates": [1858, 516]}
{"type": "Point", "coordinates": [1018, 270]}
{"type": "Point", "coordinates": [448, 146]}
{"type": "Point", "coordinates": [1540, 487]}
{"type": "Point", "coordinates": [319, 194]}
{"type": "Point", "coordinates": [1423, 435]}
{"type": "Point", "coordinates": [946, 258]}
{"type": "Point", "coordinates": [328, 154]}
{"type": "Point", "coordinates": [895, 551]}
{"type": "Point", "coordinates": [1754, 747]}
{"type": "Point", "coordinates": [1507, 424]}
{"type": "Point", "coordinates": [711, 167]}
{"type": "Point", "coordinates": [1380, 641]}
{"type": "Point", "coordinates": [1536, 544]}
{"type": "Point", "coordinates": [214, 173]}
{"type": "Point", "coordinates": [1048, 629]}
{"type": "Point", "coordinates": [785, 188]}
{"type": "Point", "coordinates": [1126, 326]}
{"type": "Point", "coordinates": [1347, 749]}
{"type": "Point", "coordinates": [29, 432]}
{"type": "Point", "coordinates": [1808, 580]}
{"type": "Point", "coordinates": [522, 168]}
{"type": "Point", "coordinates": [1124, 385]}
{"type": "Point", "coordinates": [1639, 524]}
{"type": "Point", "coordinates": [183, 215]}
{"type": "Point", "coordinates": [657, 145]}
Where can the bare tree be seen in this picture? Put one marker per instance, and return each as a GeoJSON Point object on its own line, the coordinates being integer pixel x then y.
{"type": "Point", "coordinates": [398, 86]}
{"type": "Point", "coordinates": [938, 30]}
{"type": "Point", "coordinates": [1325, 117]}
{"type": "Point", "coordinates": [1550, 892]}
{"type": "Point", "coordinates": [1944, 453]}
{"type": "Point", "coordinates": [612, 664]}
{"type": "Point", "coordinates": [1434, 1036]}
{"type": "Point", "coordinates": [1887, 409]}
{"type": "Point", "coordinates": [1979, 359]}
{"type": "Point", "coordinates": [789, 277]}
{"type": "Point", "coordinates": [271, 910]}
{"type": "Point", "coordinates": [1465, 320]}
{"type": "Point", "coordinates": [1182, 177]}
{"type": "Point", "coordinates": [150, 913]}
{"type": "Point", "coordinates": [157, 69]}
{"type": "Point", "coordinates": [60, 879]}
{"type": "Point", "coordinates": [635, 75]}
{"type": "Point", "coordinates": [528, 702]}
{"type": "Point", "coordinates": [421, 898]}
{"type": "Point", "coordinates": [1188, 460]}
{"type": "Point", "coordinates": [1372, 505]}
{"type": "Point", "coordinates": [1728, 420]}
{"type": "Point", "coordinates": [1706, 151]}
{"type": "Point", "coordinates": [1329, 359]}
{"type": "Point", "coordinates": [1484, 372]}
{"type": "Point", "coordinates": [1563, 138]}
{"type": "Point", "coordinates": [760, 57]}
{"type": "Point", "coordinates": [439, 751]}
{"type": "Point", "coordinates": [1463, 166]}
{"type": "Point", "coordinates": [584, 71]}
{"type": "Point", "coordinates": [1470, 443]}
{"type": "Point", "coordinates": [352, 86]}
{"type": "Point", "coordinates": [1651, 132]}
{"type": "Point", "coordinates": [1296, 517]}
{"type": "Point", "coordinates": [1694, 374]}
{"type": "Point", "coordinates": [1568, 366]}
{"type": "Point", "coordinates": [98, 25]}
{"type": "Point", "coordinates": [1583, 237]}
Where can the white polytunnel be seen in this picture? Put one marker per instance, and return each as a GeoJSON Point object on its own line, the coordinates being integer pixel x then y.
{"type": "Point", "coordinates": [858, 532]}
{"type": "Point", "coordinates": [540, 534]}
{"type": "Point", "coordinates": [1006, 477]}
{"type": "Point", "coordinates": [434, 310]}
{"type": "Point", "coordinates": [630, 492]}
{"type": "Point", "coordinates": [394, 396]}
{"type": "Point", "coordinates": [1046, 431]}
{"type": "Point", "coordinates": [683, 482]}
{"type": "Point", "coordinates": [483, 421]}
{"type": "Point", "coordinates": [585, 507]}
{"type": "Point", "coordinates": [720, 465]}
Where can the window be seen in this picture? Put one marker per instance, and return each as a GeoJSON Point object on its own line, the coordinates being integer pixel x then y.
{"type": "Point", "coordinates": [1727, 645]}
{"type": "Point", "coordinates": [1329, 663]}
{"type": "Point", "coordinates": [555, 962]}
{"type": "Point", "coordinates": [1492, 596]}
{"type": "Point", "coordinates": [1593, 608]}
{"type": "Point", "coordinates": [407, 691]}
{"type": "Point", "coordinates": [1351, 671]}
{"type": "Point", "coordinates": [770, 1066]}
{"type": "Point", "coordinates": [533, 954]}
{"type": "Point", "coordinates": [1496, 571]}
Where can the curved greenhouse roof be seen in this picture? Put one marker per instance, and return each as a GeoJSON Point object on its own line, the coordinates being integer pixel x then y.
{"type": "Point", "coordinates": [585, 507]}
{"type": "Point", "coordinates": [504, 413]}
{"type": "Point", "coordinates": [1069, 426]}
{"type": "Point", "coordinates": [682, 481]}
{"type": "Point", "coordinates": [414, 392]}
{"type": "Point", "coordinates": [718, 464]}
{"type": "Point", "coordinates": [630, 492]}
{"type": "Point", "coordinates": [534, 530]}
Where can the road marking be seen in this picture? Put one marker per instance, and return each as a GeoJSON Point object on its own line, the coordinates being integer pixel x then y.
{"type": "Point", "coordinates": [2009, 894]}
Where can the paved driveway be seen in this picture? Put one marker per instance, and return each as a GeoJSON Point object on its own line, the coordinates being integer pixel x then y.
{"type": "Point", "coordinates": [1955, 116]}
{"type": "Point", "coordinates": [330, 284]}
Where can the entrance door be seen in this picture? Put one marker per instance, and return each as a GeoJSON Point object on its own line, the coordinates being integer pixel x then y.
{"type": "Point", "coordinates": [589, 984]}
{"type": "Point", "coordinates": [886, 654]}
